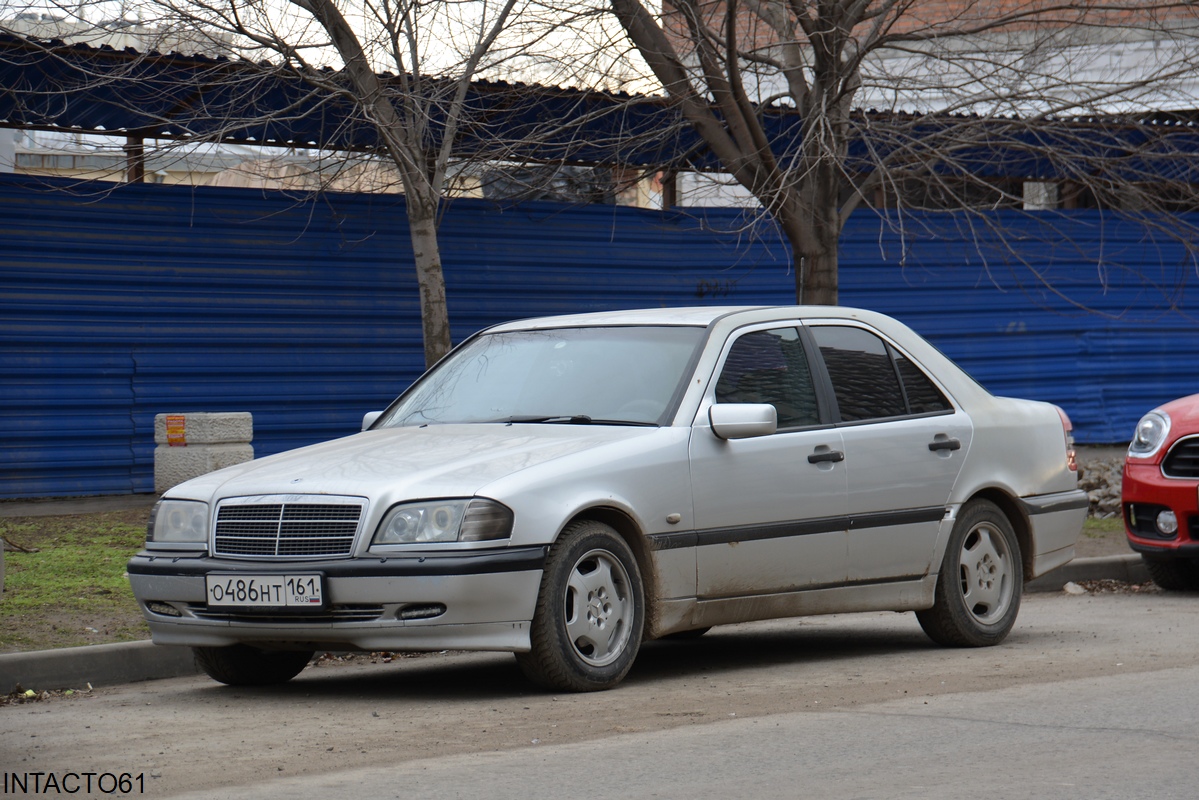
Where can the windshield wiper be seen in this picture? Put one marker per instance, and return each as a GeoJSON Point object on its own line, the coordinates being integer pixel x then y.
{"type": "Point", "coordinates": [576, 419]}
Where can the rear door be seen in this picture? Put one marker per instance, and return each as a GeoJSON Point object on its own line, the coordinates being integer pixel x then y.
{"type": "Point", "coordinates": [904, 443]}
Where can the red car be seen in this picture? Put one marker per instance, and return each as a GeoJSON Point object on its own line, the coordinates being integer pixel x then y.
{"type": "Point", "coordinates": [1161, 493]}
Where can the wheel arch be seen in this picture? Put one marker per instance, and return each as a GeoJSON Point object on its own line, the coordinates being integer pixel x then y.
{"type": "Point", "coordinates": [628, 529]}
{"type": "Point", "coordinates": [1016, 515]}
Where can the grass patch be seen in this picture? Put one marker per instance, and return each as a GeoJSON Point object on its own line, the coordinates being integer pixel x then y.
{"type": "Point", "coordinates": [1102, 537]}
{"type": "Point", "coordinates": [1101, 528]}
{"type": "Point", "coordinates": [73, 589]}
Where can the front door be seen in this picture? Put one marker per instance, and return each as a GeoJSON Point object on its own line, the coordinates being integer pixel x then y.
{"type": "Point", "coordinates": [769, 511]}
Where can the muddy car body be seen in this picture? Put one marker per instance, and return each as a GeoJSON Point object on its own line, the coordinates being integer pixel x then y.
{"type": "Point", "coordinates": [565, 488]}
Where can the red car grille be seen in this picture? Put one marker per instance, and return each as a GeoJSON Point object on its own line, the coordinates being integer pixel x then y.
{"type": "Point", "coordinates": [1183, 459]}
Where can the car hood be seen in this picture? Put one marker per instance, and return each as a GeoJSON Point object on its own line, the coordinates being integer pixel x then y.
{"type": "Point", "coordinates": [407, 463]}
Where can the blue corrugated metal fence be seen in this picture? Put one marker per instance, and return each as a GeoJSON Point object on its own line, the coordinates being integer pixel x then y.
{"type": "Point", "coordinates": [118, 303]}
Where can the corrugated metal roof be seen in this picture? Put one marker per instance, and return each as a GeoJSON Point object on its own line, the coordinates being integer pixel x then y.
{"type": "Point", "coordinates": [57, 86]}
{"type": "Point", "coordinates": [76, 87]}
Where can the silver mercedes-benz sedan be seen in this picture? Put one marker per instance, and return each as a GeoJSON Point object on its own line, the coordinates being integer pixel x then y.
{"type": "Point", "coordinates": [567, 488]}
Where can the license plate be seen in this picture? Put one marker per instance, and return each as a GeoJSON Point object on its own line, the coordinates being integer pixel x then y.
{"type": "Point", "coordinates": [266, 591]}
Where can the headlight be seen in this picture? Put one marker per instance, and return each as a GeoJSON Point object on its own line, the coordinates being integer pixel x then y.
{"type": "Point", "coordinates": [465, 520]}
{"type": "Point", "coordinates": [1150, 434]}
{"type": "Point", "coordinates": [178, 521]}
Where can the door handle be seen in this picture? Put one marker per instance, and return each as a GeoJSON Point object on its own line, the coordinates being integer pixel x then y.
{"type": "Point", "coordinates": [945, 444]}
{"type": "Point", "coordinates": [832, 456]}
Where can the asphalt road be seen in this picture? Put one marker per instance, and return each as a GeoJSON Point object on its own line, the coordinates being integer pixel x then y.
{"type": "Point", "coordinates": [1088, 738]}
{"type": "Point", "coordinates": [1091, 697]}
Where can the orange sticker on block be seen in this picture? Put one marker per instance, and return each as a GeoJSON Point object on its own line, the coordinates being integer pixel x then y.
{"type": "Point", "coordinates": [176, 430]}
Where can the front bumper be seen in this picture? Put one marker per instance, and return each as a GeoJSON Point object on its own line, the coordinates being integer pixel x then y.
{"type": "Point", "coordinates": [1146, 492]}
{"type": "Point", "coordinates": [476, 600]}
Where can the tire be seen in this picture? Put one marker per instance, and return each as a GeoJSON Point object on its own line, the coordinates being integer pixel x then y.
{"type": "Point", "coordinates": [982, 577]}
{"type": "Point", "coordinates": [590, 614]}
{"type": "Point", "coordinates": [242, 665]}
{"type": "Point", "coordinates": [1173, 574]}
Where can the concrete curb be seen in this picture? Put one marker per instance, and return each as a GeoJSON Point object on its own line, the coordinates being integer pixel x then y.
{"type": "Point", "coordinates": [99, 665]}
{"type": "Point", "coordinates": [129, 662]}
{"type": "Point", "coordinates": [1128, 568]}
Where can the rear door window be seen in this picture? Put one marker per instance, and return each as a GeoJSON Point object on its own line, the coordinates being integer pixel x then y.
{"type": "Point", "coordinates": [870, 379]}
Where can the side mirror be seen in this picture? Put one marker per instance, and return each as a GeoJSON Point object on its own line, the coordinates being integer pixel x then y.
{"type": "Point", "coordinates": [743, 420]}
{"type": "Point", "coordinates": [369, 418]}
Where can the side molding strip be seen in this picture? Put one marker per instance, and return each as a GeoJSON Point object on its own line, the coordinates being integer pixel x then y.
{"type": "Point", "coordinates": [1052, 503]}
{"type": "Point", "coordinates": [804, 527]}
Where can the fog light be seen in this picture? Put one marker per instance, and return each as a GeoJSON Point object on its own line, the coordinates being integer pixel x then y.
{"type": "Point", "coordinates": [422, 611]}
{"type": "Point", "coordinates": [1167, 523]}
{"type": "Point", "coordinates": [163, 609]}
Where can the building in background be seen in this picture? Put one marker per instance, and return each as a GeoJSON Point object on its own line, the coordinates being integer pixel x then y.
{"type": "Point", "coordinates": [119, 34]}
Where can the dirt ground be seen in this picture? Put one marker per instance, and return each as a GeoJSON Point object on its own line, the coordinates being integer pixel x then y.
{"type": "Point", "coordinates": [1099, 543]}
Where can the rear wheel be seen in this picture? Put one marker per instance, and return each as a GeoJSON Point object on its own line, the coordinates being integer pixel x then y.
{"type": "Point", "coordinates": [1173, 574]}
{"type": "Point", "coordinates": [242, 665]}
{"type": "Point", "coordinates": [590, 613]}
{"type": "Point", "coordinates": [981, 579]}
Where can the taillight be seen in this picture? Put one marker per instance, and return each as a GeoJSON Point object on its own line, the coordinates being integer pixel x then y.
{"type": "Point", "coordinates": [1068, 432]}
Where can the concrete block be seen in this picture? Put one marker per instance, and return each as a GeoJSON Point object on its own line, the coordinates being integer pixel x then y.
{"type": "Point", "coordinates": [99, 665]}
{"type": "Point", "coordinates": [174, 465]}
{"type": "Point", "coordinates": [225, 427]}
{"type": "Point", "coordinates": [1128, 568]}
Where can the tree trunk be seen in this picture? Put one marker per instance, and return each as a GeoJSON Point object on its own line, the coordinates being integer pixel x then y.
{"type": "Point", "coordinates": [434, 314]}
{"type": "Point", "coordinates": [813, 231]}
{"type": "Point", "coordinates": [816, 278]}
{"type": "Point", "coordinates": [404, 147]}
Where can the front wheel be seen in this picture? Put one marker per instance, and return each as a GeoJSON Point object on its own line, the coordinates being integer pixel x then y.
{"type": "Point", "coordinates": [590, 613]}
{"type": "Point", "coordinates": [242, 665]}
{"type": "Point", "coordinates": [981, 579]}
{"type": "Point", "coordinates": [1173, 574]}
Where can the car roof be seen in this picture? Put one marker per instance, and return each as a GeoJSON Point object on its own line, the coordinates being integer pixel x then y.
{"type": "Point", "coordinates": [700, 316]}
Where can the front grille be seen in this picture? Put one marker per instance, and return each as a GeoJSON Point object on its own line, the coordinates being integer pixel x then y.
{"type": "Point", "coordinates": [332, 614]}
{"type": "Point", "coordinates": [1183, 459]}
{"type": "Point", "coordinates": [294, 529]}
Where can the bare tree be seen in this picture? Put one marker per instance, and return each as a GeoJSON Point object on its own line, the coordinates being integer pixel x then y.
{"type": "Point", "coordinates": [969, 104]}
{"type": "Point", "coordinates": [436, 50]}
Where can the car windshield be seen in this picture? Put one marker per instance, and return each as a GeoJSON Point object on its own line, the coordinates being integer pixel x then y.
{"type": "Point", "coordinates": [601, 375]}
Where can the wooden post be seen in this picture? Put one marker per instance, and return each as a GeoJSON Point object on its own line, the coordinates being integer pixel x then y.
{"type": "Point", "coordinates": [135, 159]}
{"type": "Point", "coordinates": [670, 189]}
